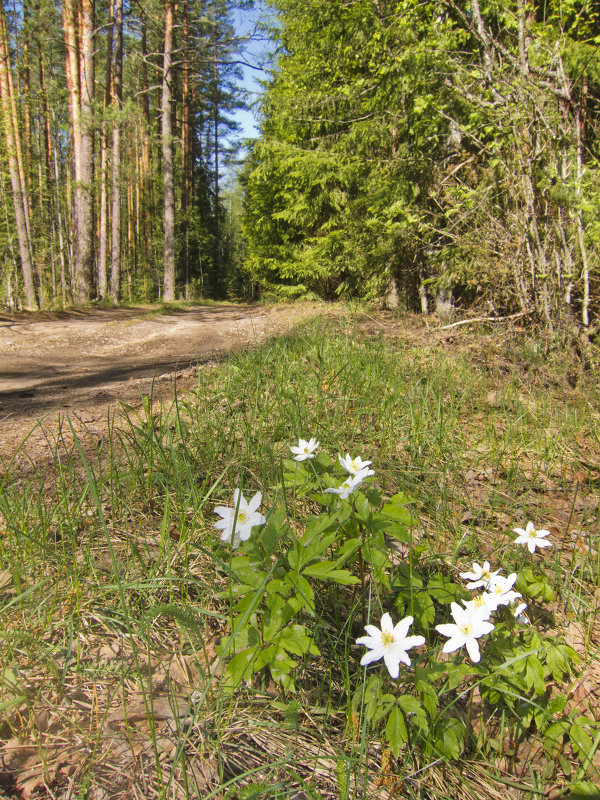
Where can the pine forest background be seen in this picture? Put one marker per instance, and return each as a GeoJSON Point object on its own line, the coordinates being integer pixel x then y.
{"type": "Point", "coordinates": [430, 153]}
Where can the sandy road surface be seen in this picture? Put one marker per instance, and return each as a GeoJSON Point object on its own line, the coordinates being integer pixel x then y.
{"type": "Point", "coordinates": [80, 362]}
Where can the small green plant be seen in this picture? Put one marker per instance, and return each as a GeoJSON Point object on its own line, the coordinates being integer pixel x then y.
{"type": "Point", "coordinates": [247, 660]}
{"type": "Point", "coordinates": [321, 560]}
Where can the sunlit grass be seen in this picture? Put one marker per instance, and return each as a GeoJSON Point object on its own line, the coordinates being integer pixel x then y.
{"type": "Point", "coordinates": [113, 587]}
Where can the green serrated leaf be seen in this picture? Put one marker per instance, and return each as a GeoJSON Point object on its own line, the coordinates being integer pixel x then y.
{"type": "Point", "coordinates": [325, 570]}
{"type": "Point", "coordinates": [281, 665]}
{"type": "Point", "coordinates": [347, 550]}
{"type": "Point", "coordinates": [534, 675]}
{"type": "Point", "coordinates": [581, 740]}
{"type": "Point", "coordinates": [239, 667]}
{"type": "Point", "coordinates": [448, 737]}
{"type": "Point", "coordinates": [395, 731]}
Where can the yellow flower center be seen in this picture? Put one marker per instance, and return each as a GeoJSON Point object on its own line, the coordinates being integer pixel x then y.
{"type": "Point", "coordinates": [387, 638]}
{"type": "Point", "coordinates": [485, 574]}
{"type": "Point", "coordinates": [242, 517]}
{"type": "Point", "coordinates": [466, 629]}
{"type": "Point", "coordinates": [479, 601]}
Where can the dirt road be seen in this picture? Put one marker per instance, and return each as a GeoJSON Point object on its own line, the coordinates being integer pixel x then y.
{"type": "Point", "coordinates": [81, 362]}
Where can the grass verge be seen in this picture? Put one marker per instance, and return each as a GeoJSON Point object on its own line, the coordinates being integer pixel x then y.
{"type": "Point", "coordinates": [116, 594]}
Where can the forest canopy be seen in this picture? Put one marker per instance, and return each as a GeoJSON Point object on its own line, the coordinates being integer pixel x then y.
{"type": "Point", "coordinates": [115, 127]}
{"type": "Point", "coordinates": [428, 153]}
{"type": "Point", "coordinates": [431, 152]}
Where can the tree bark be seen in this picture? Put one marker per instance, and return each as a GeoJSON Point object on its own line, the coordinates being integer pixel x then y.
{"type": "Point", "coordinates": [216, 157]}
{"type": "Point", "coordinates": [186, 161]}
{"type": "Point", "coordinates": [78, 27]}
{"type": "Point", "coordinates": [103, 227]}
{"type": "Point", "coordinates": [115, 272]}
{"type": "Point", "coordinates": [167, 151]}
{"type": "Point", "coordinates": [147, 195]}
{"type": "Point", "coordinates": [19, 191]}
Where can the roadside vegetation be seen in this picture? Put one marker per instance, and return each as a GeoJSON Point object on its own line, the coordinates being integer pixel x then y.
{"type": "Point", "coordinates": [143, 656]}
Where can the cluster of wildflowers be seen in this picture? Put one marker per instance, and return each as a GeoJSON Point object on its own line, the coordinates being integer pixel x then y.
{"type": "Point", "coordinates": [391, 642]}
{"type": "Point", "coordinates": [472, 621]}
{"type": "Point", "coordinates": [357, 470]}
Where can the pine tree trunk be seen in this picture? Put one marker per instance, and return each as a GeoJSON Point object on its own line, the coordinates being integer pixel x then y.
{"type": "Point", "coordinates": [115, 272]}
{"type": "Point", "coordinates": [103, 226]}
{"type": "Point", "coordinates": [19, 193]}
{"type": "Point", "coordinates": [216, 158]}
{"type": "Point", "coordinates": [145, 164]}
{"type": "Point", "coordinates": [186, 162]}
{"type": "Point", "coordinates": [78, 26]}
{"type": "Point", "coordinates": [167, 151]}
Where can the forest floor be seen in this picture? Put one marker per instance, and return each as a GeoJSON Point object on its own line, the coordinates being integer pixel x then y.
{"type": "Point", "coordinates": [117, 595]}
{"type": "Point", "coordinates": [81, 363]}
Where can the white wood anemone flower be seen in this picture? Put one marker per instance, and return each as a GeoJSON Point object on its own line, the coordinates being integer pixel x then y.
{"type": "Point", "coordinates": [481, 576]}
{"type": "Point", "coordinates": [351, 484]}
{"type": "Point", "coordinates": [355, 465]}
{"type": "Point", "coordinates": [468, 626]}
{"type": "Point", "coordinates": [502, 590]}
{"type": "Point", "coordinates": [237, 522]}
{"type": "Point", "coordinates": [532, 537]}
{"type": "Point", "coordinates": [518, 614]}
{"type": "Point", "coordinates": [390, 643]}
{"type": "Point", "coordinates": [484, 604]}
{"type": "Point", "coordinates": [305, 449]}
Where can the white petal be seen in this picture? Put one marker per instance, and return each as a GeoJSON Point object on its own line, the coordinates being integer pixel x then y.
{"type": "Point", "coordinates": [475, 584]}
{"type": "Point", "coordinates": [403, 656]}
{"type": "Point", "coordinates": [370, 656]}
{"type": "Point", "coordinates": [482, 627]}
{"type": "Point", "coordinates": [447, 629]}
{"type": "Point", "coordinates": [223, 511]}
{"type": "Point", "coordinates": [453, 644]}
{"type": "Point", "coordinates": [402, 627]}
{"type": "Point", "coordinates": [374, 632]}
{"type": "Point", "coordinates": [255, 502]}
{"type": "Point", "coordinates": [386, 623]}
{"type": "Point", "coordinates": [244, 532]}
{"type": "Point", "coordinates": [370, 641]}
{"type": "Point", "coordinates": [457, 612]}
{"type": "Point", "coordinates": [473, 649]}
{"type": "Point", "coordinates": [392, 663]}
{"type": "Point", "coordinates": [413, 641]}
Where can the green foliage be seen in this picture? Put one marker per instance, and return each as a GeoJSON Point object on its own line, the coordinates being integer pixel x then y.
{"type": "Point", "coordinates": [113, 550]}
{"type": "Point", "coordinates": [421, 146]}
{"type": "Point", "coordinates": [285, 590]}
